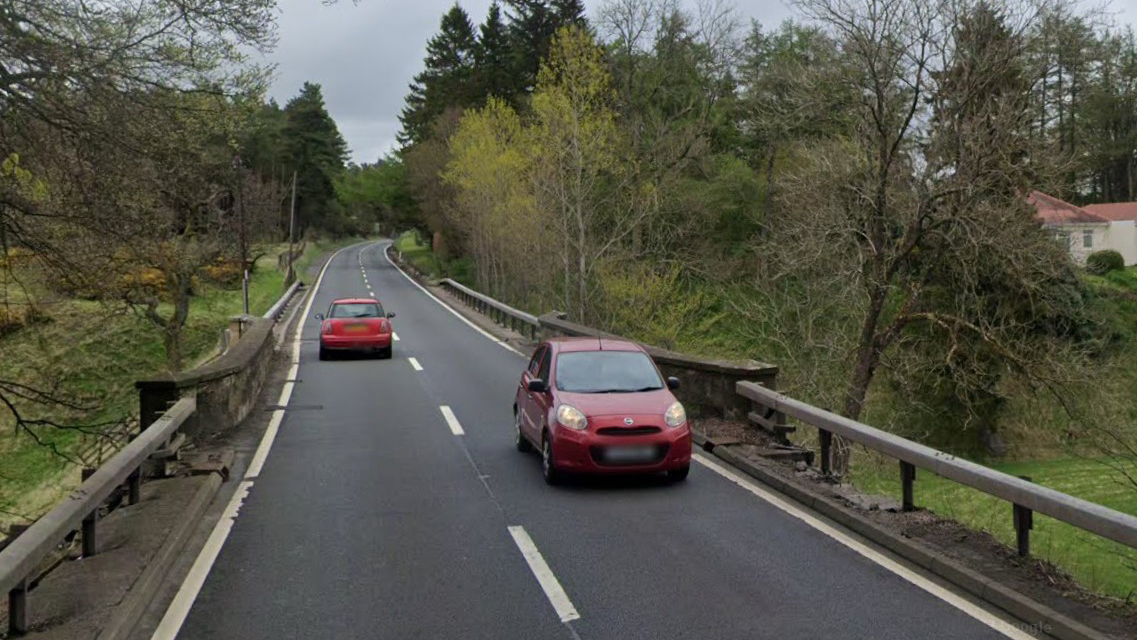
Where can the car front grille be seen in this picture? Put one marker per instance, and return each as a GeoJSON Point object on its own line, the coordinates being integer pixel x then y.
{"type": "Point", "coordinates": [627, 431]}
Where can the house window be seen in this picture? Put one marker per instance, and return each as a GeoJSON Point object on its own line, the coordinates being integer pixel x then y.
{"type": "Point", "coordinates": [1088, 239]}
{"type": "Point", "coordinates": [1063, 238]}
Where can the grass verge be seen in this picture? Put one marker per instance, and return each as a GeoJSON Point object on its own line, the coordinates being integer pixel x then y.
{"type": "Point", "coordinates": [1096, 563]}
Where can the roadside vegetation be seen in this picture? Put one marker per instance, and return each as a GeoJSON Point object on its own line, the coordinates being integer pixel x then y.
{"type": "Point", "coordinates": [842, 195]}
{"type": "Point", "coordinates": [98, 352]}
{"type": "Point", "coordinates": [144, 173]}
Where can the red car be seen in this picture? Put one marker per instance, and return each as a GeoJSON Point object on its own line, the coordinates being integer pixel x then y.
{"type": "Point", "coordinates": [597, 405]}
{"type": "Point", "coordinates": [355, 324]}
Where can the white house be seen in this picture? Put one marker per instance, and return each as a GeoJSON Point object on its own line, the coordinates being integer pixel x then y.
{"type": "Point", "coordinates": [1084, 230]}
{"type": "Point", "coordinates": [1122, 218]}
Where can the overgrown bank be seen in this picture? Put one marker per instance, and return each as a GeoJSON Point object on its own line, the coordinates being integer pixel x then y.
{"type": "Point", "coordinates": [92, 353]}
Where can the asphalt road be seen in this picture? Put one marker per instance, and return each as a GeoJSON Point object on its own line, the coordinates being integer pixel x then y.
{"type": "Point", "coordinates": [372, 519]}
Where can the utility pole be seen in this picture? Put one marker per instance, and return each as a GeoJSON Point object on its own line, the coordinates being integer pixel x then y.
{"type": "Point", "coordinates": [291, 226]}
{"type": "Point", "coordinates": [242, 234]}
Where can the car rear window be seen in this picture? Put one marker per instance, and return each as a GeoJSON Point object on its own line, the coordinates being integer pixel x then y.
{"type": "Point", "coordinates": [606, 372]}
{"type": "Point", "coordinates": [357, 310]}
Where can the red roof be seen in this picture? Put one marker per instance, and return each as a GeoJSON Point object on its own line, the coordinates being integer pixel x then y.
{"type": "Point", "coordinates": [1051, 210]}
{"type": "Point", "coordinates": [1117, 211]}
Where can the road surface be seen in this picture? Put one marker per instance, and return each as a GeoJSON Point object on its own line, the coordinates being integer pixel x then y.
{"type": "Point", "coordinates": [373, 517]}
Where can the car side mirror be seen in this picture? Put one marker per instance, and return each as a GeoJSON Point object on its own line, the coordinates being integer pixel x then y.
{"type": "Point", "coordinates": [672, 383]}
{"type": "Point", "coordinates": [319, 316]}
{"type": "Point", "coordinates": [537, 385]}
{"type": "Point", "coordinates": [390, 314]}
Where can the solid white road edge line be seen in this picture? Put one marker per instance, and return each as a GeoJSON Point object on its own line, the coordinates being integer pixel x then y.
{"type": "Point", "coordinates": [176, 613]}
{"type": "Point", "coordinates": [415, 364]}
{"type": "Point", "coordinates": [549, 583]}
{"type": "Point", "coordinates": [447, 307]}
{"type": "Point", "coordinates": [982, 615]}
{"type": "Point", "coordinates": [452, 421]}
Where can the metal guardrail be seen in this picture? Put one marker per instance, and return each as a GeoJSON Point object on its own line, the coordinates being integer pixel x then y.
{"type": "Point", "coordinates": [500, 312]}
{"type": "Point", "coordinates": [1025, 496]}
{"type": "Point", "coordinates": [22, 557]}
{"type": "Point", "coordinates": [275, 311]}
{"type": "Point", "coordinates": [80, 511]}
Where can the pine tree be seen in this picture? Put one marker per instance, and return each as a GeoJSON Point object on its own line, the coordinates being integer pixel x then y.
{"type": "Point", "coordinates": [315, 150]}
{"type": "Point", "coordinates": [532, 24]}
{"type": "Point", "coordinates": [446, 80]}
{"type": "Point", "coordinates": [569, 13]}
{"type": "Point", "coordinates": [493, 64]}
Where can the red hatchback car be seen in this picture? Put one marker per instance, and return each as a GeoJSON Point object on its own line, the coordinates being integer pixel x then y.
{"type": "Point", "coordinates": [596, 405]}
{"type": "Point", "coordinates": [356, 324]}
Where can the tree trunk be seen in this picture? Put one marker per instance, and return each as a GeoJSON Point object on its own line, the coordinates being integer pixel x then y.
{"type": "Point", "coordinates": [868, 357]}
{"type": "Point", "coordinates": [768, 204]}
{"type": "Point", "coordinates": [173, 330]}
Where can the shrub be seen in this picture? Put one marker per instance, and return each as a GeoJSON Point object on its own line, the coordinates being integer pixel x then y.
{"type": "Point", "coordinates": [226, 274]}
{"type": "Point", "coordinates": [13, 319]}
{"type": "Point", "coordinates": [1102, 262]}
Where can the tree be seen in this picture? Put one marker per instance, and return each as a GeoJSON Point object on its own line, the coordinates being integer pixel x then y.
{"type": "Point", "coordinates": [530, 29]}
{"type": "Point", "coordinates": [792, 91]}
{"type": "Point", "coordinates": [580, 178]}
{"type": "Point", "coordinates": [1109, 120]}
{"type": "Point", "coordinates": [493, 58]}
{"type": "Point", "coordinates": [448, 77]}
{"type": "Point", "coordinates": [924, 207]}
{"type": "Point", "coordinates": [315, 149]}
{"type": "Point", "coordinates": [494, 204]}
{"type": "Point", "coordinates": [379, 193]}
{"type": "Point", "coordinates": [426, 162]}
{"type": "Point", "coordinates": [569, 13]}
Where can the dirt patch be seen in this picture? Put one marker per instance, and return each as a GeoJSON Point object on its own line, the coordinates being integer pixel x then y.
{"type": "Point", "coordinates": [977, 550]}
{"type": "Point", "coordinates": [722, 431]}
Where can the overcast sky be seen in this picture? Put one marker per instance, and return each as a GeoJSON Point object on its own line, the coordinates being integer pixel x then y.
{"type": "Point", "coordinates": [365, 54]}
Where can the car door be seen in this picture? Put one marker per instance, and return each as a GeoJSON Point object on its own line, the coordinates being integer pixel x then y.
{"type": "Point", "coordinates": [525, 396]}
{"type": "Point", "coordinates": [540, 402]}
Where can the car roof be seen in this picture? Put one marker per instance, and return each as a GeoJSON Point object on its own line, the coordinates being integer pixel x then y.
{"type": "Point", "coordinates": [354, 300]}
{"type": "Point", "coordinates": [584, 343]}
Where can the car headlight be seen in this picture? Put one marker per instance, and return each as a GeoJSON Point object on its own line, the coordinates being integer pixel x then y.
{"type": "Point", "coordinates": [675, 415]}
{"type": "Point", "coordinates": [571, 417]}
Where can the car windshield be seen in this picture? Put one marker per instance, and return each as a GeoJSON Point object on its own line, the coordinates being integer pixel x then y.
{"type": "Point", "coordinates": [606, 372]}
{"type": "Point", "coordinates": [356, 310]}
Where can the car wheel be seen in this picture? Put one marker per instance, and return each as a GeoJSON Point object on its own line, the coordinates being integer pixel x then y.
{"type": "Point", "coordinates": [323, 353]}
{"type": "Point", "coordinates": [385, 354]}
{"type": "Point", "coordinates": [680, 474]}
{"type": "Point", "coordinates": [548, 467]}
{"type": "Point", "coordinates": [523, 444]}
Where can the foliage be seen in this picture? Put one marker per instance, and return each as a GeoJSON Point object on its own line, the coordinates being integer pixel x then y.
{"type": "Point", "coordinates": [317, 151]}
{"type": "Point", "coordinates": [379, 194]}
{"type": "Point", "coordinates": [448, 79]}
{"type": "Point", "coordinates": [1102, 262]}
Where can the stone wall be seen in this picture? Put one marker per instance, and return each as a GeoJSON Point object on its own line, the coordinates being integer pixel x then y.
{"type": "Point", "coordinates": [707, 386]}
{"type": "Point", "coordinates": [227, 389]}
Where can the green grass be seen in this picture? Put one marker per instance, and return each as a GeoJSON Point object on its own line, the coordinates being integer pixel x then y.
{"type": "Point", "coordinates": [1096, 563]}
{"type": "Point", "coordinates": [97, 352]}
{"type": "Point", "coordinates": [417, 252]}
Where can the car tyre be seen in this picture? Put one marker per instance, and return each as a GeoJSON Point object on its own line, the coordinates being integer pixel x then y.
{"type": "Point", "coordinates": [323, 353]}
{"type": "Point", "coordinates": [522, 443]}
{"type": "Point", "coordinates": [680, 474]}
{"type": "Point", "coordinates": [385, 354]}
{"type": "Point", "coordinates": [548, 466]}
